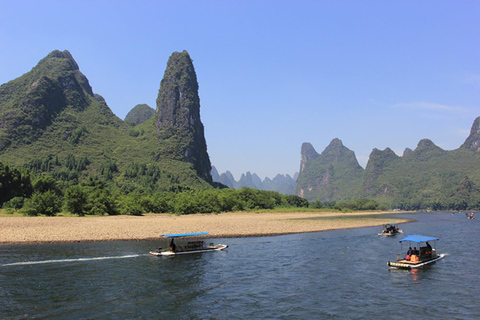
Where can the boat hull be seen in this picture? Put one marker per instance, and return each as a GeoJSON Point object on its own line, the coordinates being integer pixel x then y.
{"type": "Point", "coordinates": [218, 247]}
{"type": "Point", "coordinates": [419, 264]}
{"type": "Point", "coordinates": [390, 234]}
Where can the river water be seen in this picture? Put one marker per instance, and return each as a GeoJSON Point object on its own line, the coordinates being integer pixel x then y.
{"type": "Point", "coordinates": [324, 275]}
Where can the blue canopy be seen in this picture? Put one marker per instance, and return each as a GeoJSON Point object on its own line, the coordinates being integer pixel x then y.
{"type": "Point", "coordinates": [185, 234]}
{"type": "Point", "coordinates": [418, 238]}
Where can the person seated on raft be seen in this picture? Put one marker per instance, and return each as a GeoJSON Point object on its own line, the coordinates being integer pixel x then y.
{"type": "Point", "coordinates": [415, 255]}
{"type": "Point", "coordinates": [409, 253]}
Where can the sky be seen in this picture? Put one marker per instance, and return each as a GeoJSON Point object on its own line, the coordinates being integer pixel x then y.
{"type": "Point", "coordinates": [273, 74]}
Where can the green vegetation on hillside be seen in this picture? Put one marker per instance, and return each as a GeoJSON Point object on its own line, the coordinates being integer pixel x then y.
{"type": "Point", "coordinates": [54, 124]}
{"type": "Point", "coordinates": [425, 178]}
{"type": "Point", "coordinates": [34, 195]}
{"type": "Point", "coordinates": [139, 194]}
{"type": "Point", "coordinates": [139, 114]}
{"type": "Point", "coordinates": [428, 178]}
{"type": "Point", "coordinates": [333, 175]}
{"type": "Point", "coordinates": [29, 104]}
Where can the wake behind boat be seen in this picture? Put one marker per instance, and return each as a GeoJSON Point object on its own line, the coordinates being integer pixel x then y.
{"type": "Point", "coordinates": [416, 258]}
{"type": "Point", "coordinates": [174, 244]}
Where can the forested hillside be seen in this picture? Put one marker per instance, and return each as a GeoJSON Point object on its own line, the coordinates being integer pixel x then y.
{"type": "Point", "coordinates": [333, 175]}
{"type": "Point", "coordinates": [425, 178]}
{"type": "Point", "coordinates": [52, 123]}
{"type": "Point", "coordinates": [63, 149]}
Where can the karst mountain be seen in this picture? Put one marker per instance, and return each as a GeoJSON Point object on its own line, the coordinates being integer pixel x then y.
{"type": "Point", "coordinates": [52, 121]}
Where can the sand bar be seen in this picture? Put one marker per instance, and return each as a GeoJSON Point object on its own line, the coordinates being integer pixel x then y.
{"type": "Point", "coordinates": [150, 226]}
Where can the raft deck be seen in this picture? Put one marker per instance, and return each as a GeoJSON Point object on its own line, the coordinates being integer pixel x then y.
{"type": "Point", "coordinates": [407, 264]}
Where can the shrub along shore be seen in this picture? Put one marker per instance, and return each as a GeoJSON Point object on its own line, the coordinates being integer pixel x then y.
{"type": "Point", "coordinates": [150, 226]}
{"type": "Point", "coordinates": [43, 195]}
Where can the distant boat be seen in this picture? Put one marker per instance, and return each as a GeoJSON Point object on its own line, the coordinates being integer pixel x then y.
{"type": "Point", "coordinates": [414, 258]}
{"type": "Point", "coordinates": [390, 229]}
{"type": "Point", "coordinates": [184, 245]}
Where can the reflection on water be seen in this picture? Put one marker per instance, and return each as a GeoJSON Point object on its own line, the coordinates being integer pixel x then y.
{"type": "Point", "coordinates": [412, 275]}
{"type": "Point", "coordinates": [340, 274]}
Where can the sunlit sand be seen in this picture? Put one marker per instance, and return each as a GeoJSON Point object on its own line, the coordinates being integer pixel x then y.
{"type": "Point", "coordinates": [150, 226]}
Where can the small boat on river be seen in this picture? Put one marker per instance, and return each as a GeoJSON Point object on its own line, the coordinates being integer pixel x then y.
{"type": "Point", "coordinates": [390, 229]}
{"type": "Point", "coordinates": [416, 258]}
{"type": "Point", "coordinates": [174, 244]}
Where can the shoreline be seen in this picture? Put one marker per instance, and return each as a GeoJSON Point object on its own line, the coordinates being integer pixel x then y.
{"type": "Point", "coordinates": [35, 230]}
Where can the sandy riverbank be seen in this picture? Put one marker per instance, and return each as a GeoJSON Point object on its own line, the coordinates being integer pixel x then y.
{"type": "Point", "coordinates": [67, 229]}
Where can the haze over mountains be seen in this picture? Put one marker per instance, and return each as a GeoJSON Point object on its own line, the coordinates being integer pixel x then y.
{"type": "Point", "coordinates": [283, 184]}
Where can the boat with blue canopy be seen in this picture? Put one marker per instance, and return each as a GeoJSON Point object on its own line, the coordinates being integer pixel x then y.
{"type": "Point", "coordinates": [415, 258]}
{"type": "Point", "coordinates": [183, 243]}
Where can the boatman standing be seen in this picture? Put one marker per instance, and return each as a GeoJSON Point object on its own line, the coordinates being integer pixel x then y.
{"type": "Point", "coordinates": [172, 246]}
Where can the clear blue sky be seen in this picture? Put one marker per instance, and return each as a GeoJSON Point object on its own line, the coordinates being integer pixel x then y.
{"type": "Point", "coordinates": [273, 74]}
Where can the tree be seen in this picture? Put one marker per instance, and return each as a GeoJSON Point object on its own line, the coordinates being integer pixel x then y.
{"type": "Point", "coordinates": [76, 200]}
{"type": "Point", "coordinates": [101, 202]}
{"type": "Point", "coordinates": [297, 201]}
{"type": "Point", "coordinates": [130, 204]}
{"type": "Point", "coordinates": [46, 183]}
{"type": "Point", "coordinates": [13, 183]}
{"type": "Point", "coordinates": [47, 203]}
{"type": "Point", "coordinates": [186, 203]}
{"type": "Point", "coordinates": [14, 203]}
{"type": "Point", "coordinates": [317, 205]}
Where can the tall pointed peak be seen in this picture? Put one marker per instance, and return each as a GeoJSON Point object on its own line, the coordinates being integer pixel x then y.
{"type": "Point", "coordinates": [307, 154]}
{"type": "Point", "coordinates": [177, 117]}
{"type": "Point", "coordinates": [178, 103]}
{"type": "Point", "coordinates": [473, 140]}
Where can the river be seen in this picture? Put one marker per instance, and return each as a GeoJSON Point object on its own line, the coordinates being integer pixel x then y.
{"type": "Point", "coordinates": [338, 274]}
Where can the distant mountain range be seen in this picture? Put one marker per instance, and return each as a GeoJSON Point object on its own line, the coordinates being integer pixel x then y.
{"type": "Point", "coordinates": [425, 177]}
{"type": "Point", "coordinates": [283, 184]}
